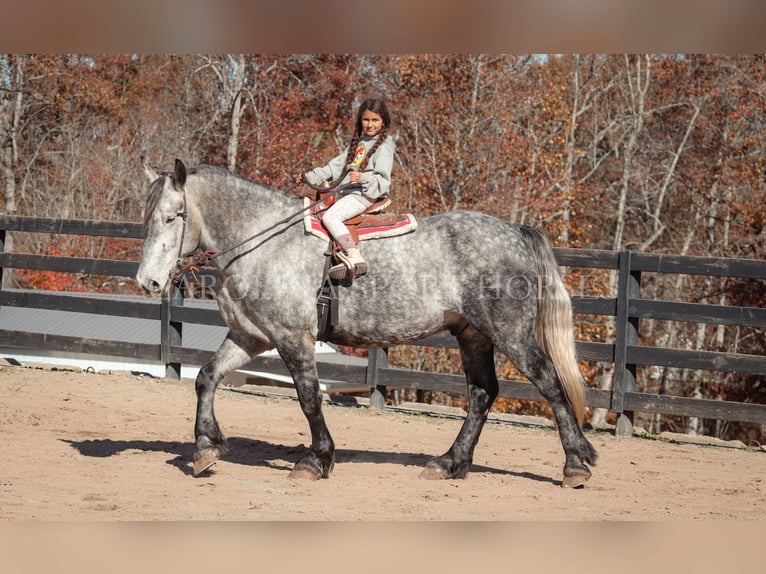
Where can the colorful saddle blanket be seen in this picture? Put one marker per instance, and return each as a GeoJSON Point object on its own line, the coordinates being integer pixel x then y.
{"type": "Point", "coordinates": [372, 224]}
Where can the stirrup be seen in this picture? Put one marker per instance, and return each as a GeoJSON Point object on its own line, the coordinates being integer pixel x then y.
{"type": "Point", "coordinates": [347, 268]}
{"type": "Point", "coordinates": [338, 271]}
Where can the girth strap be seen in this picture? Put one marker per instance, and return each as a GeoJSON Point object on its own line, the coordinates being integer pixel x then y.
{"type": "Point", "coordinates": [327, 302]}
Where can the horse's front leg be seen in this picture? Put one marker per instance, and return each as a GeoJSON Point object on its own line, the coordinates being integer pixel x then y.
{"type": "Point", "coordinates": [298, 354]}
{"type": "Point", "coordinates": [210, 443]}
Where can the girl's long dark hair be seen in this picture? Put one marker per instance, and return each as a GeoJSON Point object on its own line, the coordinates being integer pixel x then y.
{"type": "Point", "coordinates": [378, 106]}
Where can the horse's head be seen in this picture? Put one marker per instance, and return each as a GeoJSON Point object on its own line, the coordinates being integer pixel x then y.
{"type": "Point", "coordinates": [170, 235]}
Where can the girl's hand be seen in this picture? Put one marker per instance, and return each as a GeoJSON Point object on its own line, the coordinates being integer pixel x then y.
{"type": "Point", "coordinates": [355, 177]}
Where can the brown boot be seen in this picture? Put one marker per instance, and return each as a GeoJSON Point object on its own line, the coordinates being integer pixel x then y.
{"type": "Point", "coordinates": [351, 260]}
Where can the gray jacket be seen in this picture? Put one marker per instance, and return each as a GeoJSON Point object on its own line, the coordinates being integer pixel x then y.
{"type": "Point", "coordinates": [376, 177]}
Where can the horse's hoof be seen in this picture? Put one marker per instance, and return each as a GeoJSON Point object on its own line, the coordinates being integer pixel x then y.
{"type": "Point", "coordinates": [433, 473]}
{"type": "Point", "coordinates": [575, 481]}
{"type": "Point", "coordinates": [204, 462]}
{"type": "Point", "coordinates": [303, 474]}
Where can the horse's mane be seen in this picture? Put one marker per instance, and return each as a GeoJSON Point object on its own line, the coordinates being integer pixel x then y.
{"type": "Point", "coordinates": [153, 199]}
{"type": "Point", "coordinates": [210, 172]}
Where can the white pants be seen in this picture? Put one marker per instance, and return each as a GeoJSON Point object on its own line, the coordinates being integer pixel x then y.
{"type": "Point", "coordinates": [344, 208]}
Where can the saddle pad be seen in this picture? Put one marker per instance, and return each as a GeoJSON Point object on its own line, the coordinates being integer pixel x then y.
{"type": "Point", "coordinates": [374, 227]}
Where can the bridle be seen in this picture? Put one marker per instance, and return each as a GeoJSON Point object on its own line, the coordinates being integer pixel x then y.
{"type": "Point", "coordinates": [180, 268]}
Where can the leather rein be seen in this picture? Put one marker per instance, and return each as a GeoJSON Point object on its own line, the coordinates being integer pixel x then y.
{"type": "Point", "coordinates": [200, 258]}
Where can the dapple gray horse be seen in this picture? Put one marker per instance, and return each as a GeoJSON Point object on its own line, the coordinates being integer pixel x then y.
{"type": "Point", "coordinates": [492, 284]}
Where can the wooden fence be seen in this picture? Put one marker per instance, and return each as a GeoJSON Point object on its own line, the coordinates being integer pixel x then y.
{"type": "Point", "coordinates": [627, 308]}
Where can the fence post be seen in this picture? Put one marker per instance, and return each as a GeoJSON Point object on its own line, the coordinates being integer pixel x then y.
{"type": "Point", "coordinates": [376, 359]}
{"type": "Point", "coordinates": [170, 331]}
{"type": "Point", "coordinates": [6, 243]}
{"type": "Point", "coordinates": [624, 374]}
{"type": "Point", "coordinates": [2, 249]}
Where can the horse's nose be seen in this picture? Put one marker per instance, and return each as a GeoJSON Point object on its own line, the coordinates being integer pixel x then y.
{"type": "Point", "coordinates": [153, 287]}
{"type": "Point", "coordinates": [150, 287]}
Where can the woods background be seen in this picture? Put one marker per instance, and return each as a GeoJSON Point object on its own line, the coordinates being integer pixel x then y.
{"type": "Point", "coordinates": [656, 153]}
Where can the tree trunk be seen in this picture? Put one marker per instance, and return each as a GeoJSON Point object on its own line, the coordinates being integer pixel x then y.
{"type": "Point", "coordinates": [11, 67]}
{"type": "Point", "coordinates": [237, 109]}
{"type": "Point", "coordinates": [637, 88]}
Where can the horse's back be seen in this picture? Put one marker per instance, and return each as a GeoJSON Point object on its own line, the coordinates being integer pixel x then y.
{"type": "Point", "coordinates": [455, 245]}
{"type": "Point", "coordinates": [455, 267]}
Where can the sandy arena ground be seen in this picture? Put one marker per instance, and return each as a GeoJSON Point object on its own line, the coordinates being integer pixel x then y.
{"type": "Point", "coordinates": [117, 447]}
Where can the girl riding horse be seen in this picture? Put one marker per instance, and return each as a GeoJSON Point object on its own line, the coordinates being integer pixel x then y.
{"type": "Point", "coordinates": [366, 164]}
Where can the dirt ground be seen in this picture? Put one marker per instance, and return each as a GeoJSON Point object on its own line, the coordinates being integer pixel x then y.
{"type": "Point", "coordinates": [117, 447]}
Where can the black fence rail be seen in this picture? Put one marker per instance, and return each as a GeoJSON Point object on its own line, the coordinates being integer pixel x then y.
{"type": "Point", "coordinates": [626, 307]}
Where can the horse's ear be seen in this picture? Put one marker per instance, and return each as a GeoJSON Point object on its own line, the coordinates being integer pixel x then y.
{"type": "Point", "coordinates": [179, 176]}
{"type": "Point", "coordinates": [150, 174]}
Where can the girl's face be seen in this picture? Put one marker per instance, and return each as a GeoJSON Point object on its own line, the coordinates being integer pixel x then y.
{"type": "Point", "coordinates": [372, 123]}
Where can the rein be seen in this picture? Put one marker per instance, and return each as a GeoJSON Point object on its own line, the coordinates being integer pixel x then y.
{"type": "Point", "coordinates": [200, 258]}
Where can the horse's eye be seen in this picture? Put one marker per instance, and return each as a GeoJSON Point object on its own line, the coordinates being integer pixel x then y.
{"type": "Point", "coordinates": [170, 219]}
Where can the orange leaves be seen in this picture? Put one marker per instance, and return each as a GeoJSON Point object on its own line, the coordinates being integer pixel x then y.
{"type": "Point", "coordinates": [74, 246]}
{"type": "Point", "coordinates": [50, 281]}
{"type": "Point", "coordinates": [538, 140]}
{"type": "Point", "coordinates": [544, 141]}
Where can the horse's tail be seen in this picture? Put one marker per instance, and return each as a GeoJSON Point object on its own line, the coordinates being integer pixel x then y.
{"type": "Point", "coordinates": [554, 328]}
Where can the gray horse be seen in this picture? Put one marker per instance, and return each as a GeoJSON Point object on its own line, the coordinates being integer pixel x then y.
{"type": "Point", "coordinates": [492, 284]}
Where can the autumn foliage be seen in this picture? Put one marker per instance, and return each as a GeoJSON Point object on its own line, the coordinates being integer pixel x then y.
{"type": "Point", "coordinates": [651, 153]}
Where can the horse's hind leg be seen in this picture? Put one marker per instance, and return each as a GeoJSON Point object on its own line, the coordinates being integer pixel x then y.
{"type": "Point", "coordinates": [298, 354]}
{"type": "Point", "coordinates": [209, 441]}
{"type": "Point", "coordinates": [530, 359]}
{"type": "Point", "coordinates": [477, 353]}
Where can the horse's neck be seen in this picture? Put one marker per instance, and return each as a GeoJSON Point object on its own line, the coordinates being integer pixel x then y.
{"type": "Point", "coordinates": [235, 211]}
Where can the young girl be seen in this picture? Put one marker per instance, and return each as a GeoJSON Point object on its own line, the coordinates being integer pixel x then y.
{"type": "Point", "coordinates": [369, 158]}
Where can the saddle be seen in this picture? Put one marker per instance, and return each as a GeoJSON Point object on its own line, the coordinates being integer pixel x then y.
{"type": "Point", "coordinates": [374, 223]}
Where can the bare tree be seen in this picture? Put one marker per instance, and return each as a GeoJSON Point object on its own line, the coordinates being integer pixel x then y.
{"type": "Point", "coordinates": [230, 72]}
{"type": "Point", "coordinates": [11, 108]}
{"type": "Point", "coordinates": [11, 111]}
